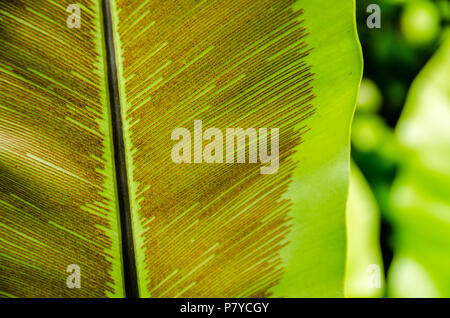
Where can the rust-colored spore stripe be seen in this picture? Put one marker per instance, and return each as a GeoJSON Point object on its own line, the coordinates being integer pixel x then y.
{"type": "Point", "coordinates": [212, 230]}
{"type": "Point", "coordinates": [54, 204]}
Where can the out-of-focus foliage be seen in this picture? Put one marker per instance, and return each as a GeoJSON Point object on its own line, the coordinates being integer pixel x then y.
{"type": "Point", "coordinates": [370, 98]}
{"type": "Point", "coordinates": [364, 262]}
{"type": "Point", "coordinates": [408, 172]}
{"type": "Point", "coordinates": [421, 193]}
{"type": "Point", "coordinates": [420, 22]}
{"type": "Point", "coordinates": [370, 133]}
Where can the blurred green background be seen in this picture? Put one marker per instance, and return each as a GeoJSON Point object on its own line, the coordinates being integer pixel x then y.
{"type": "Point", "coordinates": [399, 206]}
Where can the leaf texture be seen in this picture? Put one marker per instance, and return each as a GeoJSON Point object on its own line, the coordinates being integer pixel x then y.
{"type": "Point", "coordinates": [224, 230]}
{"type": "Point", "coordinates": [200, 230]}
{"type": "Point", "coordinates": [57, 197]}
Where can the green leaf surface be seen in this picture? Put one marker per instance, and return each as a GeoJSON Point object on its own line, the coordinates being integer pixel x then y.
{"type": "Point", "coordinates": [199, 230]}
{"type": "Point", "coordinates": [420, 195]}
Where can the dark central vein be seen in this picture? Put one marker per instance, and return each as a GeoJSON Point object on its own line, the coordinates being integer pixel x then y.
{"type": "Point", "coordinates": [129, 262]}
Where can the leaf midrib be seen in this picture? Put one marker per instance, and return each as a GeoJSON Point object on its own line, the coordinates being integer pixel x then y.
{"type": "Point", "coordinates": [128, 254]}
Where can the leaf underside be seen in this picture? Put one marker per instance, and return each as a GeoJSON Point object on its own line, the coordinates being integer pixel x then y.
{"type": "Point", "coordinates": [57, 201]}
{"type": "Point", "coordinates": [211, 230]}
{"type": "Point", "coordinates": [200, 230]}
